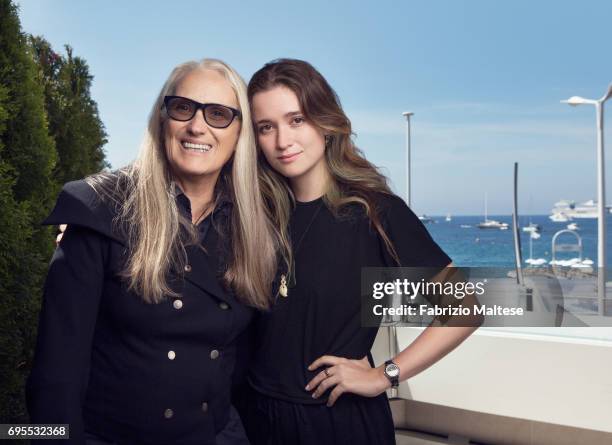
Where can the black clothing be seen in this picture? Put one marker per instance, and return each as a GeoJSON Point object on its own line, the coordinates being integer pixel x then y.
{"type": "Point", "coordinates": [124, 370]}
{"type": "Point", "coordinates": [184, 206]}
{"type": "Point", "coordinates": [352, 420]}
{"type": "Point", "coordinates": [322, 314]}
{"type": "Point", "coordinates": [232, 434]}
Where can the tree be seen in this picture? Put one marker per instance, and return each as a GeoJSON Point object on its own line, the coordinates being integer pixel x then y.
{"type": "Point", "coordinates": [74, 120]}
{"type": "Point", "coordinates": [27, 189]}
{"type": "Point", "coordinates": [50, 133]}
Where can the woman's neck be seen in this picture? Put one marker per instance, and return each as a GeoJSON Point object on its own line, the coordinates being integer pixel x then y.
{"type": "Point", "coordinates": [312, 184]}
{"type": "Point", "coordinates": [200, 194]}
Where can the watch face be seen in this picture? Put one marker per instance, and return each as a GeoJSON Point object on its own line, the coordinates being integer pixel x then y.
{"type": "Point", "coordinates": [392, 370]}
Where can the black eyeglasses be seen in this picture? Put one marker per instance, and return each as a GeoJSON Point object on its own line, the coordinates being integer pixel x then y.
{"type": "Point", "coordinates": [216, 115]}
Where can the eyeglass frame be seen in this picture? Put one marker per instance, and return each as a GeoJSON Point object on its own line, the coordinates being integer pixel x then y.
{"type": "Point", "coordinates": [200, 106]}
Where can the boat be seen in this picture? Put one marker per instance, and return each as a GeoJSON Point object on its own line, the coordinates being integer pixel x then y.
{"type": "Point", "coordinates": [564, 206]}
{"type": "Point", "coordinates": [562, 211]}
{"type": "Point", "coordinates": [426, 219]}
{"type": "Point", "coordinates": [570, 209]}
{"type": "Point", "coordinates": [559, 217]}
{"type": "Point", "coordinates": [491, 223]}
{"type": "Point", "coordinates": [573, 226]}
{"type": "Point", "coordinates": [587, 209]}
{"type": "Point", "coordinates": [532, 228]}
{"type": "Point", "coordinates": [448, 218]}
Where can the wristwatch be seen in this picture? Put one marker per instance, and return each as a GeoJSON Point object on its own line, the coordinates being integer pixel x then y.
{"type": "Point", "coordinates": [392, 372]}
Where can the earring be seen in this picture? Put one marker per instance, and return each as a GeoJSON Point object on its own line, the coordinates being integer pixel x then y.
{"type": "Point", "coordinates": [328, 140]}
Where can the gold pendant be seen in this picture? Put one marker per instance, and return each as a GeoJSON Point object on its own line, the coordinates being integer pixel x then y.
{"type": "Point", "coordinates": [282, 289]}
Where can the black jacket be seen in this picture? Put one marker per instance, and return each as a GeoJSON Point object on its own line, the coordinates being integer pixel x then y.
{"type": "Point", "coordinates": [125, 370]}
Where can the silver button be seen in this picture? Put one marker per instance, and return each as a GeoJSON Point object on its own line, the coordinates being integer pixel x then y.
{"type": "Point", "coordinates": [187, 267]}
{"type": "Point", "coordinates": [204, 407]}
{"type": "Point", "coordinates": [168, 413]}
{"type": "Point", "coordinates": [223, 305]}
{"type": "Point", "coordinates": [214, 354]}
{"type": "Point", "coordinates": [171, 355]}
{"type": "Point", "coordinates": [177, 304]}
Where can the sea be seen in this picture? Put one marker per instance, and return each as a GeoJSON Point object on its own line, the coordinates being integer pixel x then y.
{"type": "Point", "coordinates": [469, 246]}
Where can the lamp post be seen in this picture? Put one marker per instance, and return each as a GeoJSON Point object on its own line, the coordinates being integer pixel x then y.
{"type": "Point", "coordinates": [407, 114]}
{"type": "Point", "coordinates": [601, 193]}
{"type": "Point", "coordinates": [393, 341]}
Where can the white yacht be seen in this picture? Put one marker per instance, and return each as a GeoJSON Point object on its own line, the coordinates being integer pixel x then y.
{"type": "Point", "coordinates": [532, 228]}
{"type": "Point", "coordinates": [570, 210]}
{"type": "Point", "coordinates": [561, 211]}
{"type": "Point", "coordinates": [587, 209]}
{"type": "Point", "coordinates": [491, 223]}
{"type": "Point", "coordinates": [559, 217]}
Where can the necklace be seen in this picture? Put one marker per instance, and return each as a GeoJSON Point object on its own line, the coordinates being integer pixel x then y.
{"type": "Point", "coordinates": [283, 288]}
{"type": "Point", "coordinates": [206, 207]}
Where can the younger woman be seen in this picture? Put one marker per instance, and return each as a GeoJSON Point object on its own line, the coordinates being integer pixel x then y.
{"type": "Point", "coordinates": [311, 382]}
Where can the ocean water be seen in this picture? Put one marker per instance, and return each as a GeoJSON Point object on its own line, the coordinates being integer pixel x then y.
{"type": "Point", "coordinates": [474, 247]}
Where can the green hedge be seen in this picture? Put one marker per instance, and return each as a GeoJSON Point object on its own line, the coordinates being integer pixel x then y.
{"type": "Point", "coordinates": [50, 133]}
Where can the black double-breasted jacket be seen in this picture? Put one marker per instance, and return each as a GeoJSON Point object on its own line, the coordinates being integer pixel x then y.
{"type": "Point", "coordinates": [125, 370]}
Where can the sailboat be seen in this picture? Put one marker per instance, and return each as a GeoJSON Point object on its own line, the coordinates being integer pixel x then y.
{"type": "Point", "coordinates": [491, 223]}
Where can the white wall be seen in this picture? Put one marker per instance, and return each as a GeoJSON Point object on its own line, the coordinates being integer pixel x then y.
{"type": "Point", "coordinates": [549, 379]}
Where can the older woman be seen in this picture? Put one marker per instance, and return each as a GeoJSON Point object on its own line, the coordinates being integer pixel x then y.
{"type": "Point", "coordinates": [156, 277]}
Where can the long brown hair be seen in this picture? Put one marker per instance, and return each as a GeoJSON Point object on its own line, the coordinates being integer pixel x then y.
{"type": "Point", "coordinates": [353, 178]}
{"type": "Point", "coordinates": [144, 194]}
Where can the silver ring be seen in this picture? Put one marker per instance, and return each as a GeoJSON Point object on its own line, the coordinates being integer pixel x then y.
{"type": "Point", "coordinates": [326, 371]}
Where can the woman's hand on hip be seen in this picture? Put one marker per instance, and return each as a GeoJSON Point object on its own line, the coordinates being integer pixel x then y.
{"type": "Point", "coordinates": [345, 375]}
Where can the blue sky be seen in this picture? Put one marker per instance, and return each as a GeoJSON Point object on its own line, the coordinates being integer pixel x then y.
{"type": "Point", "coordinates": [483, 78]}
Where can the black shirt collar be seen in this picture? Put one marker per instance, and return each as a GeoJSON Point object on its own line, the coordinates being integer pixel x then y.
{"type": "Point", "coordinates": [184, 205]}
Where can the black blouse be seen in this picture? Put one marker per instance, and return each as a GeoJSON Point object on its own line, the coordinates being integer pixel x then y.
{"type": "Point", "coordinates": [322, 313]}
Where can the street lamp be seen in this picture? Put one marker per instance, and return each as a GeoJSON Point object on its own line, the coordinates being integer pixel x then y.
{"type": "Point", "coordinates": [601, 197]}
{"type": "Point", "coordinates": [407, 114]}
{"type": "Point", "coordinates": [393, 342]}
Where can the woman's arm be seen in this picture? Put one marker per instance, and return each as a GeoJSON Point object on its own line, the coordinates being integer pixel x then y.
{"type": "Point", "coordinates": [415, 248]}
{"type": "Point", "coordinates": [57, 384]}
{"type": "Point", "coordinates": [442, 336]}
{"type": "Point", "coordinates": [356, 376]}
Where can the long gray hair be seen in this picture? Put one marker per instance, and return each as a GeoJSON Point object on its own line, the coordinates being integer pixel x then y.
{"type": "Point", "coordinates": [147, 208]}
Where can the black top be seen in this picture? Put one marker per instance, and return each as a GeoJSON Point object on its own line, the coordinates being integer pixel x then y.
{"type": "Point", "coordinates": [125, 370]}
{"type": "Point", "coordinates": [322, 314]}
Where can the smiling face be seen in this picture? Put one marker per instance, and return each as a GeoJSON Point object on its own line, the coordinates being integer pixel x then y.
{"type": "Point", "coordinates": [292, 145]}
{"type": "Point", "coordinates": [195, 151]}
